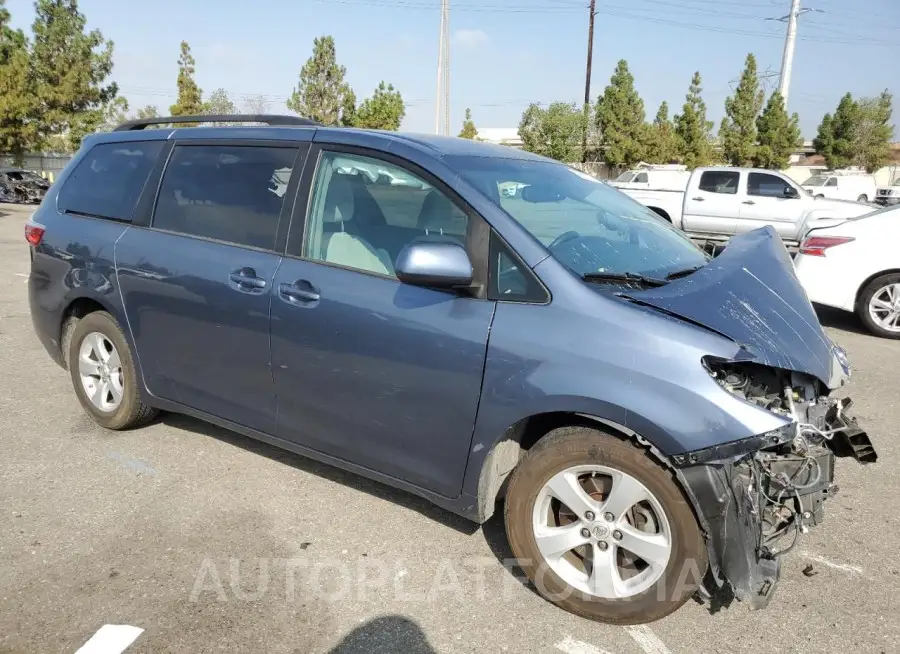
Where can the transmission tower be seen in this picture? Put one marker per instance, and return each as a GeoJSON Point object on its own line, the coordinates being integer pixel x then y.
{"type": "Point", "coordinates": [442, 96]}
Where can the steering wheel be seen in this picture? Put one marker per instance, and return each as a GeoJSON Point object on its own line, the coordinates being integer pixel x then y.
{"type": "Point", "coordinates": [565, 237]}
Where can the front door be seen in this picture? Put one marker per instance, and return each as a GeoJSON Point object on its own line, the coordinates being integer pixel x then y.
{"type": "Point", "coordinates": [197, 283]}
{"type": "Point", "coordinates": [367, 369]}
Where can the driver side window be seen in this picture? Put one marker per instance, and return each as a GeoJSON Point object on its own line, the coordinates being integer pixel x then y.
{"type": "Point", "coordinates": [764, 185]}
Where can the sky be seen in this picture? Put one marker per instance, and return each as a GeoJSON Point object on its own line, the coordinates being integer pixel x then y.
{"type": "Point", "coordinates": [505, 53]}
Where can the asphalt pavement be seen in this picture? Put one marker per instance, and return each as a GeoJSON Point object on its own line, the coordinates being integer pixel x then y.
{"type": "Point", "coordinates": [209, 541]}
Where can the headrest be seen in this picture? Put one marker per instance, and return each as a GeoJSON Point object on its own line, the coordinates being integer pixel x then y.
{"type": "Point", "coordinates": [435, 213]}
{"type": "Point", "coordinates": [339, 202]}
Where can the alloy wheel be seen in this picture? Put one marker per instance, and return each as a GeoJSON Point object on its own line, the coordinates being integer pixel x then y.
{"type": "Point", "coordinates": [100, 370]}
{"type": "Point", "coordinates": [602, 531]}
{"type": "Point", "coordinates": [884, 307]}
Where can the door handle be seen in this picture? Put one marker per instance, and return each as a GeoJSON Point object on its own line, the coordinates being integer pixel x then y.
{"type": "Point", "coordinates": [748, 202]}
{"type": "Point", "coordinates": [246, 278]}
{"type": "Point", "coordinates": [699, 199]}
{"type": "Point", "coordinates": [300, 291]}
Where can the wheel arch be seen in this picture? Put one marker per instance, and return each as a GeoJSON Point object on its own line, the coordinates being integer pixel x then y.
{"type": "Point", "coordinates": [662, 213]}
{"type": "Point", "coordinates": [506, 452]}
{"type": "Point", "coordinates": [868, 280]}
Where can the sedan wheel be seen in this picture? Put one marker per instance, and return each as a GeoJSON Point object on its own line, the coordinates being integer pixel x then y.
{"type": "Point", "coordinates": [879, 306]}
{"type": "Point", "coordinates": [100, 369]}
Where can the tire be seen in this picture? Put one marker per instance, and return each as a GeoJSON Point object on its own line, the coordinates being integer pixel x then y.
{"type": "Point", "coordinates": [878, 287]}
{"type": "Point", "coordinates": [561, 450]}
{"type": "Point", "coordinates": [820, 196]}
{"type": "Point", "coordinates": [660, 213]}
{"type": "Point", "coordinates": [129, 411]}
{"type": "Point", "coordinates": [862, 198]}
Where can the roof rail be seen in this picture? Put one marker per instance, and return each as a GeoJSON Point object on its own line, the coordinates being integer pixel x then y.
{"type": "Point", "coordinates": [267, 119]}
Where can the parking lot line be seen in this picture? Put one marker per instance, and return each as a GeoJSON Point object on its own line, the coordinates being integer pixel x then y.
{"type": "Point", "coordinates": [110, 639]}
{"type": "Point", "coordinates": [648, 641]}
{"type": "Point", "coordinates": [570, 645]}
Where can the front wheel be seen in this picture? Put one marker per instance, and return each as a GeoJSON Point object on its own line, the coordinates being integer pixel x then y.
{"type": "Point", "coordinates": [879, 306]}
{"type": "Point", "coordinates": [602, 530]}
{"type": "Point", "coordinates": [862, 198]}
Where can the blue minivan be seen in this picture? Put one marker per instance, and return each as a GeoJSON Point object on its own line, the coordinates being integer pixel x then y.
{"type": "Point", "coordinates": [653, 422]}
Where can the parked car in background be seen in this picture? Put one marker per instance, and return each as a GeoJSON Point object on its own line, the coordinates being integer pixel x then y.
{"type": "Point", "coordinates": [854, 265]}
{"type": "Point", "coordinates": [654, 177]}
{"type": "Point", "coordinates": [888, 195]}
{"type": "Point", "coordinates": [839, 185]}
{"type": "Point", "coordinates": [647, 413]}
{"type": "Point", "coordinates": [22, 186]}
{"type": "Point", "coordinates": [720, 202]}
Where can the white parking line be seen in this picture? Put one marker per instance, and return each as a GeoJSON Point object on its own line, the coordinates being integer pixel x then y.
{"type": "Point", "coordinates": [843, 567]}
{"type": "Point", "coordinates": [648, 641]}
{"type": "Point", "coordinates": [571, 646]}
{"type": "Point", "coordinates": [110, 639]}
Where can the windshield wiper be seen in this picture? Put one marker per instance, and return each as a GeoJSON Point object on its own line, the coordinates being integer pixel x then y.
{"type": "Point", "coordinates": [683, 273]}
{"type": "Point", "coordinates": [623, 277]}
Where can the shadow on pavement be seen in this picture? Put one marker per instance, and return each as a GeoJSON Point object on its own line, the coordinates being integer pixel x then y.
{"type": "Point", "coordinates": [388, 635]}
{"type": "Point", "coordinates": [325, 471]}
{"type": "Point", "coordinates": [844, 320]}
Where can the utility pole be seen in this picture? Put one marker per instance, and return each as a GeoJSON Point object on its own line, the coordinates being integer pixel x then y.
{"type": "Point", "coordinates": [587, 82]}
{"type": "Point", "coordinates": [442, 95]}
{"type": "Point", "coordinates": [787, 59]}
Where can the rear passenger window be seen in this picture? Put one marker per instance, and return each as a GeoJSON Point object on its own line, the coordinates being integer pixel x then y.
{"type": "Point", "coordinates": [225, 192]}
{"type": "Point", "coordinates": [364, 211]}
{"type": "Point", "coordinates": [108, 180]}
{"type": "Point", "coordinates": [720, 181]}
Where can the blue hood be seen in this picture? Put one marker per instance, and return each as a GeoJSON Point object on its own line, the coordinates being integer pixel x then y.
{"type": "Point", "coordinates": [750, 294]}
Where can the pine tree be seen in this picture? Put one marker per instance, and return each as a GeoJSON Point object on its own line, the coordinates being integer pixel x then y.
{"type": "Point", "coordinates": [468, 130]}
{"type": "Point", "coordinates": [190, 97]}
{"type": "Point", "coordinates": [835, 140]}
{"type": "Point", "coordinates": [348, 109]}
{"type": "Point", "coordinates": [738, 130]}
{"type": "Point", "coordinates": [554, 132]}
{"type": "Point", "coordinates": [321, 92]}
{"type": "Point", "coordinates": [873, 131]}
{"type": "Point", "coordinates": [17, 101]}
{"type": "Point", "coordinates": [620, 120]}
{"type": "Point", "coordinates": [662, 145]}
{"type": "Point", "coordinates": [69, 67]}
{"type": "Point", "coordinates": [384, 110]}
{"type": "Point", "coordinates": [692, 128]}
{"type": "Point", "coordinates": [779, 135]}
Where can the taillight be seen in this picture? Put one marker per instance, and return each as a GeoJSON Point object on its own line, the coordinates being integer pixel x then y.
{"type": "Point", "coordinates": [34, 232]}
{"type": "Point", "coordinates": [815, 246]}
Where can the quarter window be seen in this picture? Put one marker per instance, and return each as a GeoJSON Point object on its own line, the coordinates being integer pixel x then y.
{"type": "Point", "coordinates": [108, 180]}
{"type": "Point", "coordinates": [364, 211]}
{"type": "Point", "coordinates": [720, 181]}
{"type": "Point", "coordinates": [770, 186]}
{"type": "Point", "coordinates": [225, 192]}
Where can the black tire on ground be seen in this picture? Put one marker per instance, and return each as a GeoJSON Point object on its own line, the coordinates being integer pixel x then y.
{"type": "Point", "coordinates": [570, 446]}
{"type": "Point", "coordinates": [862, 307]}
{"type": "Point", "coordinates": [862, 198]}
{"type": "Point", "coordinates": [820, 195]}
{"type": "Point", "coordinates": [131, 412]}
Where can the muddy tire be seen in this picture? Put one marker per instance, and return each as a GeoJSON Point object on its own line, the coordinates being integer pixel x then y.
{"type": "Point", "coordinates": [637, 553]}
{"type": "Point", "coordinates": [103, 374]}
{"type": "Point", "coordinates": [872, 308]}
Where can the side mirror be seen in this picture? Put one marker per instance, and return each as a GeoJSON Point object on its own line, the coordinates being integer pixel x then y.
{"type": "Point", "coordinates": [791, 192]}
{"type": "Point", "coordinates": [438, 265]}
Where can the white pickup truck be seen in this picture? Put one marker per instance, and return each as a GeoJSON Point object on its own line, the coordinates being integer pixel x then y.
{"type": "Point", "coordinates": [720, 202]}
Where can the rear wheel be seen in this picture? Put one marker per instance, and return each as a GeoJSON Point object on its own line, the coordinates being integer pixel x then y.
{"type": "Point", "coordinates": [103, 373]}
{"type": "Point", "coordinates": [879, 306]}
{"type": "Point", "coordinates": [601, 530]}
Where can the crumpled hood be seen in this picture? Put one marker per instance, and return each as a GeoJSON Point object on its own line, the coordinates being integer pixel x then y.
{"type": "Point", "coordinates": [750, 294]}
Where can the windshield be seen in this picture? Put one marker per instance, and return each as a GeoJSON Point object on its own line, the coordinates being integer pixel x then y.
{"type": "Point", "coordinates": [586, 225]}
{"type": "Point", "coordinates": [627, 176]}
{"type": "Point", "coordinates": [815, 180]}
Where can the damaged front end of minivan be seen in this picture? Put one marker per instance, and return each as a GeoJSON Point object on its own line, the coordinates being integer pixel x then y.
{"type": "Point", "coordinates": [758, 495]}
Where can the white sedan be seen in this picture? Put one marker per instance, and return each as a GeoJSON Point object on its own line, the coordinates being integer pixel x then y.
{"type": "Point", "coordinates": [854, 265]}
